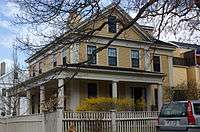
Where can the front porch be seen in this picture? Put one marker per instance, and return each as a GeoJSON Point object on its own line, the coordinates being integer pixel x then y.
{"type": "Point", "coordinates": [69, 89]}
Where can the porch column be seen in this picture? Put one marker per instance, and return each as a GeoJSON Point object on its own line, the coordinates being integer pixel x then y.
{"type": "Point", "coordinates": [42, 98]}
{"type": "Point", "coordinates": [28, 96]}
{"type": "Point", "coordinates": [170, 76]}
{"type": "Point", "coordinates": [150, 96]}
{"type": "Point", "coordinates": [114, 89]}
{"type": "Point", "coordinates": [160, 97]}
{"type": "Point", "coordinates": [60, 94]}
{"type": "Point", "coordinates": [60, 106]}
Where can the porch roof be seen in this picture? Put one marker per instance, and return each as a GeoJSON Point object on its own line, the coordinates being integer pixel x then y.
{"type": "Point", "coordinates": [93, 72]}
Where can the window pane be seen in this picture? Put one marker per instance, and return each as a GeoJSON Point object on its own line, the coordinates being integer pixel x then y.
{"type": "Point", "coordinates": [174, 110]}
{"type": "Point", "coordinates": [112, 61]}
{"type": "Point", "coordinates": [156, 63]}
{"type": "Point", "coordinates": [135, 58]}
{"type": "Point", "coordinates": [112, 52]}
{"type": "Point", "coordinates": [135, 54]}
{"type": "Point", "coordinates": [197, 108]}
{"type": "Point", "coordinates": [90, 50]}
{"type": "Point", "coordinates": [135, 62]}
{"type": "Point", "coordinates": [112, 26]}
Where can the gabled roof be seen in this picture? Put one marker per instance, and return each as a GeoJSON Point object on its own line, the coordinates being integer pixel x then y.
{"type": "Point", "coordinates": [141, 29]}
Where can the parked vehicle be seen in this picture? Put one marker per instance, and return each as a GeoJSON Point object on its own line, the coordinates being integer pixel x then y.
{"type": "Point", "coordinates": [182, 116]}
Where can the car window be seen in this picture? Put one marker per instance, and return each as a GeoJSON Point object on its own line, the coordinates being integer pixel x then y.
{"type": "Point", "coordinates": [174, 109]}
{"type": "Point", "coordinates": [197, 108]}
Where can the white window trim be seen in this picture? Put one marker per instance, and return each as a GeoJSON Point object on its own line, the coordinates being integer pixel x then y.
{"type": "Point", "coordinates": [160, 63]}
{"type": "Point", "coordinates": [117, 49]}
{"type": "Point", "coordinates": [130, 58]}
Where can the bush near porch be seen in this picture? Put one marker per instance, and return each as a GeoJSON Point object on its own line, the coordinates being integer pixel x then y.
{"type": "Point", "coordinates": [107, 104]}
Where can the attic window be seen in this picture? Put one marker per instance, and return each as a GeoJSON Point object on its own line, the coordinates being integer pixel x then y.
{"type": "Point", "coordinates": [112, 24]}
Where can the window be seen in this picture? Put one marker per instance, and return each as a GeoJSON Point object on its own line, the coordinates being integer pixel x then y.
{"type": "Point", "coordinates": [156, 63]}
{"type": "Point", "coordinates": [112, 56]}
{"type": "Point", "coordinates": [34, 70]}
{"type": "Point", "coordinates": [112, 24]}
{"type": "Point", "coordinates": [90, 50]}
{"type": "Point", "coordinates": [40, 67]}
{"type": "Point", "coordinates": [179, 61]}
{"type": "Point", "coordinates": [197, 108]}
{"type": "Point", "coordinates": [92, 90]}
{"type": "Point", "coordinates": [64, 56]}
{"type": "Point", "coordinates": [135, 58]}
{"type": "Point", "coordinates": [54, 61]}
{"type": "Point", "coordinates": [174, 109]}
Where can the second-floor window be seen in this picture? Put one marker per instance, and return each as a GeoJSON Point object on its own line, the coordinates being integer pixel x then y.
{"type": "Point", "coordinates": [64, 56]}
{"type": "Point", "coordinates": [34, 71]}
{"type": "Point", "coordinates": [112, 24]}
{"type": "Point", "coordinates": [156, 63]}
{"type": "Point", "coordinates": [135, 58]}
{"type": "Point", "coordinates": [54, 61]}
{"type": "Point", "coordinates": [92, 58]}
{"type": "Point", "coordinates": [112, 56]}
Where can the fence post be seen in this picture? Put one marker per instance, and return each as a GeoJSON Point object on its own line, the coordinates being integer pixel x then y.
{"type": "Point", "coordinates": [59, 121]}
{"type": "Point", "coordinates": [113, 121]}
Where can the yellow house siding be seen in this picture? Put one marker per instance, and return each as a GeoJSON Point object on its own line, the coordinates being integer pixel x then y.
{"type": "Point", "coordinates": [179, 75]}
{"type": "Point", "coordinates": [82, 52]}
{"type": "Point", "coordinates": [124, 57]}
{"type": "Point", "coordinates": [165, 69]}
{"type": "Point", "coordinates": [192, 74]}
{"type": "Point", "coordinates": [142, 63]}
{"type": "Point", "coordinates": [103, 58]}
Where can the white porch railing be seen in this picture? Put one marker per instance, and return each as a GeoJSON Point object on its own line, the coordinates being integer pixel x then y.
{"type": "Point", "coordinates": [137, 121]}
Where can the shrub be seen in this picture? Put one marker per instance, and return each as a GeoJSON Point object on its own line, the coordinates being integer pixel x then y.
{"type": "Point", "coordinates": [106, 104]}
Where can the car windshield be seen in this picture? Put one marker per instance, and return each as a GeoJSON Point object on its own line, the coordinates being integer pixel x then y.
{"type": "Point", "coordinates": [174, 109]}
{"type": "Point", "coordinates": [197, 108]}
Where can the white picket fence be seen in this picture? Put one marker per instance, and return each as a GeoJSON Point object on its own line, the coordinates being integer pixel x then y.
{"type": "Point", "coordinates": [113, 121]}
{"type": "Point", "coordinates": [134, 121]}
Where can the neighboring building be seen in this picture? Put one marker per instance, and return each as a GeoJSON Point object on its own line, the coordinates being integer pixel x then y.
{"type": "Point", "coordinates": [135, 66]}
{"type": "Point", "coordinates": [9, 79]}
{"type": "Point", "coordinates": [186, 64]}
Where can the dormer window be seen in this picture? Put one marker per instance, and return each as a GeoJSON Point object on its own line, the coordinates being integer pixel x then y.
{"type": "Point", "coordinates": [112, 24]}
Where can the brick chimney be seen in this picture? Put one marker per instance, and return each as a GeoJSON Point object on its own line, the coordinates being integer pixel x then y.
{"type": "Point", "coordinates": [2, 68]}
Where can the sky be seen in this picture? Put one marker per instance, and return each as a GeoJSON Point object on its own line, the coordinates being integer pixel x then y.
{"type": "Point", "coordinates": [8, 33]}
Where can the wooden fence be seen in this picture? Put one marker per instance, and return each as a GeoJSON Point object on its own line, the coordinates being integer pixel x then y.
{"type": "Point", "coordinates": [141, 121]}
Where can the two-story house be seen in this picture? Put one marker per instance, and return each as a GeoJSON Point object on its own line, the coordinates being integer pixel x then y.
{"type": "Point", "coordinates": [135, 65]}
{"type": "Point", "coordinates": [186, 63]}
